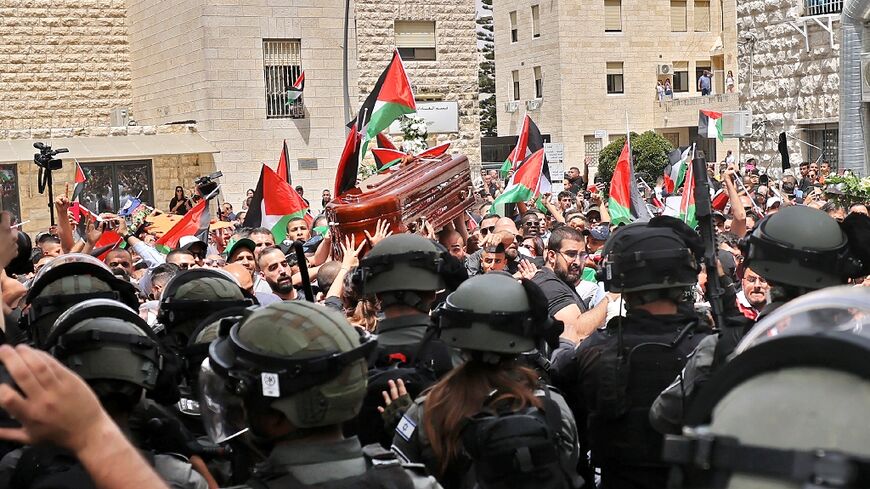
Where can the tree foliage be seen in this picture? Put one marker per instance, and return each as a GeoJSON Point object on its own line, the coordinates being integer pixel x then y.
{"type": "Point", "coordinates": [650, 152]}
{"type": "Point", "coordinates": [486, 71]}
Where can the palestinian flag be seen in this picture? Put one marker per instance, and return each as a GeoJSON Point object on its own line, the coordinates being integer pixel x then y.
{"type": "Point", "coordinates": [687, 202]}
{"type": "Point", "coordinates": [435, 151]}
{"type": "Point", "coordinates": [386, 158]}
{"type": "Point", "coordinates": [528, 141]}
{"type": "Point", "coordinates": [675, 172]}
{"type": "Point", "coordinates": [295, 91]}
{"type": "Point", "coordinates": [384, 142]}
{"type": "Point", "coordinates": [194, 223]}
{"type": "Point", "coordinates": [625, 203]}
{"type": "Point", "coordinates": [710, 124]}
{"type": "Point", "coordinates": [283, 165]}
{"type": "Point", "coordinates": [80, 180]}
{"type": "Point", "coordinates": [390, 99]}
{"type": "Point", "coordinates": [348, 165]}
{"type": "Point", "coordinates": [525, 182]}
{"type": "Point", "coordinates": [274, 204]}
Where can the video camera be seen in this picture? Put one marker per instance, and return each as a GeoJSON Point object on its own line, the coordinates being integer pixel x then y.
{"type": "Point", "coordinates": [206, 184]}
{"type": "Point", "coordinates": [46, 156]}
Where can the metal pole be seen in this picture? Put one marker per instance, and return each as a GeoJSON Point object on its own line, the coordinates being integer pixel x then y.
{"type": "Point", "coordinates": [345, 63]}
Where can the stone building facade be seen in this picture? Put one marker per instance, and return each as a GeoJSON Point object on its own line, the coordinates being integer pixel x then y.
{"type": "Point", "coordinates": [222, 67]}
{"type": "Point", "coordinates": [581, 69]}
{"type": "Point", "coordinates": [789, 60]}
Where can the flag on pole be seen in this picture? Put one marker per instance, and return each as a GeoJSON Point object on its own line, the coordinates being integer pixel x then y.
{"type": "Point", "coordinates": [390, 99]}
{"type": "Point", "coordinates": [283, 169]}
{"type": "Point", "coordinates": [710, 124]}
{"type": "Point", "coordinates": [625, 203]}
{"type": "Point", "coordinates": [195, 222]}
{"type": "Point", "coordinates": [528, 141]}
{"type": "Point", "coordinates": [675, 172]}
{"type": "Point", "coordinates": [80, 180]}
{"type": "Point", "coordinates": [687, 202]}
{"type": "Point", "coordinates": [348, 165]}
{"type": "Point", "coordinates": [525, 182]}
{"type": "Point", "coordinates": [295, 90]}
{"type": "Point", "coordinates": [274, 204]}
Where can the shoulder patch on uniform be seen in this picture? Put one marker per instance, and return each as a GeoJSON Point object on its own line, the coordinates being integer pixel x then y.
{"type": "Point", "coordinates": [406, 428]}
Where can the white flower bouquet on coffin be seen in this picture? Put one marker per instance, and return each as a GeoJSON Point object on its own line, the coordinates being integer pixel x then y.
{"type": "Point", "coordinates": [414, 132]}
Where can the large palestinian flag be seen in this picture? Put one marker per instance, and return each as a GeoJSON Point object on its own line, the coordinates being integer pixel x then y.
{"type": "Point", "coordinates": [625, 203]}
{"type": "Point", "coordinates": [687, 202]}
{"type": "Point", "coordinates": [348, 165]}
{"type": "Point", "coordinates": [710, 124]}
{"type": "Point", "coordinates": [194, 223]}
{"type": "Point", "coordinates": [274, 204]}
{"type": "Point", "coordinates": [528, 141]}
{"type": "Point", "coordinates": [390, 99]}
{"type": "Point", "coordinates": [525, 182]}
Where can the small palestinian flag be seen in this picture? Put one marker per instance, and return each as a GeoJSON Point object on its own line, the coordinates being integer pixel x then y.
{"type": "Point", "coordinates": [295, 91]}
{"type": "Point", "coordinates": [625, 203]}
{"type": "Point", "coordinates": [283, 169]}
{"type": "Point", "coordinates": [80, 180]}
{"type": "Point", "coordinates": [348, 165]}
{"type": "Point", "coordinates": [387, 158]}
{"type": "Point", "coordinates": [435, 151]}
{"type": "Point", "coordinates": [675, 172]}
{"type": "Point", "coordinates": [384, 142]}
{"type": "Point", "coordinates": [687, 202]}
{"type": "Point", "coordinates": [274, 204]}
{"type": "Point", "coordinates": [710, 124]}
{"type": "Point", "coordinates": [525, 182]}
{"type": "Point", "coordinates": [194, 223]}
{"type": "Point", "coordinates": [390, 99]}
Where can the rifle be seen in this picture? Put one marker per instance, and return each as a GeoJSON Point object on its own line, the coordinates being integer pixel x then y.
{"type": "Point", "coordinates": [704, 213]}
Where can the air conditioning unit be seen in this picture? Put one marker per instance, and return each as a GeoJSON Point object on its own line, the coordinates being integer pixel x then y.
{"type": "Point", "coordinates": [119, 117]}
{"type": "Point", "coordinates": [665, 69]}
{"type": "Point", "coordinates": [865, 77]}
{"type": "Point", "coordinates": [737, 124]}
{"type": "Point", "coordinates": [512, 107]}
{"type": "Point", "coordinates": [534, 104]}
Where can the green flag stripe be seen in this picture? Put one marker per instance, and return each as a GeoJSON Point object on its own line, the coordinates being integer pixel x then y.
{"type": "Point", "coordinates": [279, 229]}
{"type": "Point", "coordinates": [517, 193]}
{"type": "Point", "coordinates": [619, 214]}
{"type": "Point", "coordinates": [383, 116]}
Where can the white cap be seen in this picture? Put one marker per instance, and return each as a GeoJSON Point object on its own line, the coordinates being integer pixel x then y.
{"type": "Point", "coordinates": [184, 242]}
{"type": "Point", "coordinates": [773, 200]}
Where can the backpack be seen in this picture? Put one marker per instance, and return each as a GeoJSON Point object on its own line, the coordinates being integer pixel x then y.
{"type": "Point", "coordinates": [48, 467]}
{"type": "Point", "coordinates": [516, 449]}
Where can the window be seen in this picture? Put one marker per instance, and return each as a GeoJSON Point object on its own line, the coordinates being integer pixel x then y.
{"type": "Point", "coordinates": [515, 75]}
{"type": "Point", "coordinates": [536, 21]}
{"type": "Point", "coordinates": [822, 7]}
{"type": "Point", "coordinates": [110, 184]}
{"type": "Point", "coordinates": [678, 15]}
{"type": "Point", "coordinates": [825, 137]}
{"type": "Point", "coordinates": [9, 191]}
{"type": "Point", "coordinates": [282, 65]}
{"type": "Point", "coordinates": [539, 83]}
{"type": "Point", "coordinates": [612, 15]}
{"type": "Point", "coordinates": [673, 138]}
{"type": "Point", "coordinates": [702, 15]}
{"type": "Point", "coordinates": [416, 40]}
{"type": "Point", "coordinates": [681, 76]}
{"type": "Point", "coordinates": [515, 34]}
{"type": "Point", "coordinates": [614, 77]}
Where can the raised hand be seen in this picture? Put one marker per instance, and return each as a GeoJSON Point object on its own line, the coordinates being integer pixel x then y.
{"type": "Point", "coordinates": [351, 252]}
{"type": "Point", "coordinates": [382, 230]}
{"type": "Point", "coordinates": [526, 270]}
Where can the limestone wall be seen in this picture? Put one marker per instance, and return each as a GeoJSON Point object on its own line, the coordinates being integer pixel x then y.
{"type": "Point", "coordinates": [63, 63]}
{"type": "Point", "coordinates": [791, 87]}
{"type": "Point", "coordinates": [452, 76]}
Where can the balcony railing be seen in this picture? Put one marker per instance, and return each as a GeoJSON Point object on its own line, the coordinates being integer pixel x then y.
{"type": "Point", "coordinates": [822, 7]}
{"type": "Point", "coordinates": [698, 101]}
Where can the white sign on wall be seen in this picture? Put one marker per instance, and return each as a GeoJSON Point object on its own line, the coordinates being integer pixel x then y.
{"type": "Point", "coordinates": [600, 134]}
{"type": "Point", "coordinates": [557, 171]}
{"type": "Point", "coordinates": [441, 117]}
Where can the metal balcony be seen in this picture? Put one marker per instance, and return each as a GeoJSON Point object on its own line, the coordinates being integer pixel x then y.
{"type": "Point", "coordinates": [822, 7]}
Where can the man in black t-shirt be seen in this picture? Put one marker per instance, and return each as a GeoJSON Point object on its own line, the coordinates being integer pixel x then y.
{"type": "Point", "coordinates": [564, 262]}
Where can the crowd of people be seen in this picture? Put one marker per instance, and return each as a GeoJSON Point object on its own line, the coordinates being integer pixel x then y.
{"type": "Point", "coordinates": [530, 346]}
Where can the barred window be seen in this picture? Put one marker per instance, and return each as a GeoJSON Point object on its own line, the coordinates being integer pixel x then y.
{"type": "Point", "coordinates": [282, 65]}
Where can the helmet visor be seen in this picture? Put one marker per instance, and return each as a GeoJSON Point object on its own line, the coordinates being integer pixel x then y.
{"type": "Point", "coordinates": [223, 414]}
{"type": "Point", "coordinates": [831, 310]}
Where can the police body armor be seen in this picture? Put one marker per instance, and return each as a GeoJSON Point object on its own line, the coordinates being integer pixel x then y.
{"type": "Point", "coordinates": [632, 372]}
{"type": "Point", "coordinates": [384, 471]}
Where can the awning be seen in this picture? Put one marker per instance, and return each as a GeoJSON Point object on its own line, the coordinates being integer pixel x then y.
{"type": "Point", "coordinates": [110, 147]}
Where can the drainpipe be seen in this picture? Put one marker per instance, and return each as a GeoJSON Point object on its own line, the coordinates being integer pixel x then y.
{"type": "Point", "coordinates": [853, 113]}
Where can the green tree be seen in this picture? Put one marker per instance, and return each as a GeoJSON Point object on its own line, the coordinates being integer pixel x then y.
{"type": "Point", "coordinates": [650, 152]}
{"type": "Point", "coordinates": [486, 70]}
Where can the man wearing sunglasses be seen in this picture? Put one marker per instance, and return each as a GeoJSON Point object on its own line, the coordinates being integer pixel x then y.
{"type": "Point", "coordinates": [563, 268]}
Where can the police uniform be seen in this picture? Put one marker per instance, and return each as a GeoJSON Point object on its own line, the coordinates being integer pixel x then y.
{"type": "Point", "coordinates": [400, 340]}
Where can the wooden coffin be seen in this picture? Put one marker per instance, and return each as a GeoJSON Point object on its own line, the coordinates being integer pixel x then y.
{"type": "Point", "coordinates": [438, 190]}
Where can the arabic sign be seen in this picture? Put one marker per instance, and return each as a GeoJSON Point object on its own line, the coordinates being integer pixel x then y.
{"type": "Point", "coordinates": [441, 117]}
